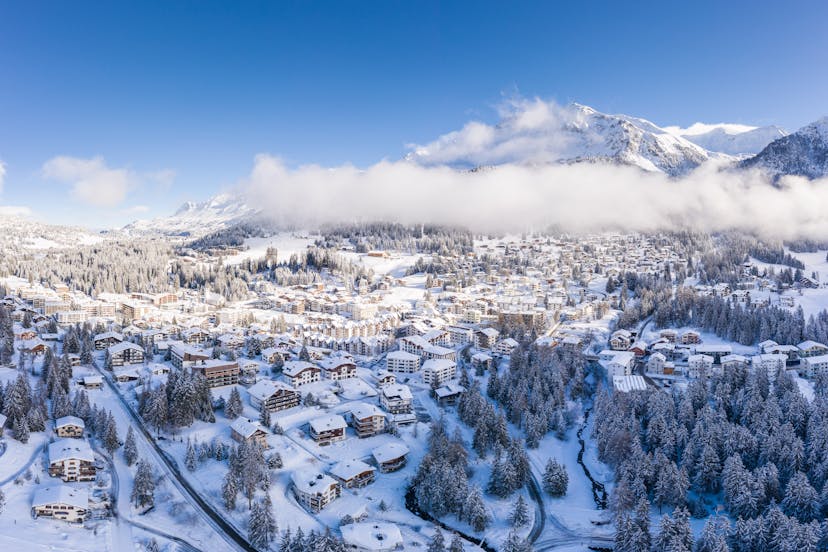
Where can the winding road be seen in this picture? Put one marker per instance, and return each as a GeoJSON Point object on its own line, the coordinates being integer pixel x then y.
{"type": "Point", "coordinates": [221, 526]}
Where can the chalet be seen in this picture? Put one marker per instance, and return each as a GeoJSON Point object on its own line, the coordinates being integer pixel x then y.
{"type": "Point", "coordinates": [767, 344]}
{"type": "Point", "coordinates": [92, 382]}
{"type": "Point", "coordinates": [373, 536]}
{"type": "Point", "coordinates": [34, 346]}
{"type": "Point", "coordinates": [639, 349]}
{"type": "Point", "coordinates": [314, 490]}
{"type": "Point", "coordinates": [125, 353]}
{"type": "Point", "coordinates": [390, 457]}
{"type": "Point", "coordinates": [449, 394]}
{"type": "Point", "coordinates": [353, 474]}
{"type": "Point", "coordinates": [436, 371]}
{"type": "Point", "coordinates": [486, 338]}
{"type": "Point", "coordinates": [71, 460]}
{"type": "Point", "coordinates": [300, 372]}
{"type": "Point", "coordinates": [194, 336]}
{"type": "Point", "coordinates": [183, 355]}
{"type": "Point", "coordinates": [791, 351]}
{"type": "Point", "coordinates": [572, 343]}
{"type": "Point", "coordinates": [275, 395]}
{"type": "Point", "coordinates": [401, 361]}
{"type": "Point", "coordinates": [338, 368]}
{"type": "Point", "coordinates": [272, 354]}
{"type": "Point", "coordinates": [367, 419]}
{"type": "Point", "coordinates": [243, 430]}
{"type": "Point", "coordinates": [61, 502]}
{"type": "Point", "coordinates": [617, 363]}
{"type": "Point", "coordinates": [620, 340]}
{"type": "Point", "coordinates": [811, 348]}
{"type": "Point", "coordinates": [106, 339]}
{"type": "Point", "coordinates": [734, 362]}
{"type": "Point", "coordinates": [384, 378]}
{"type": "Point", "coordinates": [655, 364]}
{"type": "Point", "coordinates": [396, 399]}
{"type": "Point", "coordinates": [460, 335]}
{"type": "Point", "coordinates": [813, 365]}
{"type": "Point", "coordinates": [481, 362]}
{"type": "Point", "coordinates": [69, 426]}
{"type": "Point", "coordinates": [669, 335]}
{"type": "Point", "coordinates": [690, 338]}
{"type": "Point", "coordinates": [218, 373]}
{"type": "Point", "coordinates": [231, 341]}
{"type": "Point", "coordinates": [327, 429]}
{"type": "Point", "coordinates": [506, 346]}
{"type": "Point", "coordinates": [698, 365]}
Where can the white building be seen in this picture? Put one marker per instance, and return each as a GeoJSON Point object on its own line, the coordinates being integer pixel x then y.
{"type": "Point", "coordinates": [300, 372]}
{"type": "Point", "coordinates": [438, 370]}
{"type": "Point", "coordinates": [655, 365]}
{"type": "Point", "coordinates": [698, 365]}
{"type": "Point", "coordinates": [401, 361]}
{"type": "Point", "coordinates": [314, 490]}
{"type": "Point", "coordinates": [813, 365]}
{"type": "Point", "coordinates": [61, 502]}
{"type": "Point", "coordinates": [396, 398]}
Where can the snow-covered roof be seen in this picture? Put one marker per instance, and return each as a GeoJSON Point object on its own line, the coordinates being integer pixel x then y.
{"type": "Point", "coordinates": [481, 357]}
{"type": "Point", "coordinates": [364, 410]}
{"type": "Point", "coordinates": [61, 494]}
{"type": "Point", "coordinates": [69, 421]}
{"type": "Point", "coordinates": [108, 335]}
{"type": "Point", "coordinates": [295, 367]}
{"type": "Point", "coordinates": [310, 481]}
{"type": "Point", "coordinates": [348, 469]}
{"type": "Point", "coordinates": [490, 332]}
{"type": "Point", "coordinates": [89, 380]}
{"type": "Point", "coordinates": [819, 359]}
{"type": "Point", "coordinates": [389, 451]}
{"type": "Point", "coordinates": [245, 427]}
{"type": "Point", "coordinates": [402, 355]}
{"type": "Point", "coordinates": [123, 346]}
{"type": "Point", "coordinates": [373, 536]}
{"type": "Point", "coordinates": [437, 364]}
{"type": "Point", "coordinates": [449, 389]}
{"type": "Point", "coordinates": [397, 390]}
{"type": "Point", "coordinates": [625, 384]}
{"type": "Point", "coordinates": [69, 449]}
{"type": "Point", "coordinates": [328, 423]}
{"type": "Point", "coordinates": [809, 344]}
{"type": "Point", "coordinates": [263, 389]}
{"type": "Point", "coordinates": [734, 358]}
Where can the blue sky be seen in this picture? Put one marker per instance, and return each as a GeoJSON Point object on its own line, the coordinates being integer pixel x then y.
{"type": "Point", "coordinates": [172, 100]}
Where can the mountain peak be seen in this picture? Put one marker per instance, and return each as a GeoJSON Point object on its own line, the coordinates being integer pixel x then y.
{"type": "Point", "coordinates": [803, 153]}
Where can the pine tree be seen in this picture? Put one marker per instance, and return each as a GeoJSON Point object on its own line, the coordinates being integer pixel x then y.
{"type": "Point", "coordinates": [555, 478]}
{"type": "Point", "coordinates": [21, 430]}
{"type": "Point", "coordinates": [801, 499]}
{"type": "Point", "coordinates": [456, 544]}
{"type": "Point", "coordinates": [110, 438]}
{"type": "Point", "coordinates": [229, 491]}
{"type": "Point", "coordinates": [437, 543]}
{"type": "Point", "coordinates": [520, 513]}
{"type": "Point", "coordinates": [190, 458]}
{"type": "Point", "coordinates": [514, 543]}
{"type": "Point", "coordinates": [262, 528]}
{"type": "Point", "coordinates": [130, 448]}
{"type": "Point", "coordinates": [143, 487]}
{"type": "Point", "coordinates": [233, 408]}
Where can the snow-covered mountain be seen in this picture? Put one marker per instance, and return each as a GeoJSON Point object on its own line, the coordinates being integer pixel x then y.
{"type": "Point", "coordinates": [803, 153]}
{"type": "Point", "coordinates": [730, 139]}
{"type": "Point", "coordinates": [541, 132]}
{"type": "Point", "coordinates": [198, 218]}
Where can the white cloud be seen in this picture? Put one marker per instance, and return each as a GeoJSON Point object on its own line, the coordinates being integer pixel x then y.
{"type": "Point", "coordinates": [14, 211]}
{"type": "Point", "coordinates": [135, 210]}
{"type": "Point", "coordinates": [2, 175]}
{"type": "Point", "coordinates": [579, 197]}
{"type": "Point", "coordinates": [703, 128]}
{"type": "Point", "coordinates": [163, 177]}
{"type": "Point", "coordinates": [92, 181]}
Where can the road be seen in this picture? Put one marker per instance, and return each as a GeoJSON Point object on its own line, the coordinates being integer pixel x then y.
{"type": "Point", "coordinates": [122, 517]}
{"type": "Point", "coordinates": [213, 518]}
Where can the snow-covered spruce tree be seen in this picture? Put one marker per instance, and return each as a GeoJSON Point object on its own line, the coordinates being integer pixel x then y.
{"type": "Point", "coordinates": [262, 528]}
{"type": "Point", "coordinates": [143, 486]}
{"type": "Point", "coordinates": [190, 457]}
{"type": "Point", "coordinates": [130, 448]}
{"type": "Point", "coordinates": [555, 478]}
{"type": "Point", "coordinates": [437, 542]}
{"type": "Point", "coordinates": [229, 491]}
{"type": "Point", "coordinates": [110, 437]}
{"type": "Point", "coordinates": [520, 513]}
{"type": "Point", "coordinates": [233, 407]}
{"type": "Point", "coordinates": [714, 536]}
{"type": "Point", "coordinates": [456, 544]}
{"type": "Point", "coordinates": [801, 499]}
{"type": "Point", "coordinates": [514, 543]}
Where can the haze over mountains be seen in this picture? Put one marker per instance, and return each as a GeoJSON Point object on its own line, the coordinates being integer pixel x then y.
{"type": "Point", "coordinates": [537, 141]}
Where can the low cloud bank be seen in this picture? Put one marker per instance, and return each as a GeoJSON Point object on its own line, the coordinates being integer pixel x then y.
{"type": "Point", "coordinates": [579, 198]}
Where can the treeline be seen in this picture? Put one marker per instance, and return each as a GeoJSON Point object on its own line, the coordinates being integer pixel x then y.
{"type": "Point", "coordinates": [744, 439]}
{"type": "Point", "coordinates": [423, 238]}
